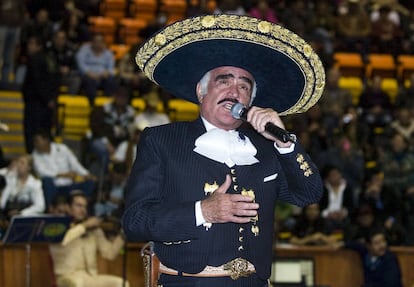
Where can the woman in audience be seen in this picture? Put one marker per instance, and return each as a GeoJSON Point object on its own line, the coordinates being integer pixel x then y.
{"type": "Point", "coordinates": [23, 192]}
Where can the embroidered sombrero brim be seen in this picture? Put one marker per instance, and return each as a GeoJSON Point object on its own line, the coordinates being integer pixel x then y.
{"type": "Point", "coordinates": [289, 74]}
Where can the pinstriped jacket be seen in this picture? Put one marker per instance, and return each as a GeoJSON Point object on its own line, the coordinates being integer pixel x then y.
{"type": "Point", "coordinates": [168, 177]}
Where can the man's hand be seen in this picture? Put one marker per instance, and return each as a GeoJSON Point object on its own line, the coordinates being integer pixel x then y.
{"type": "Point", "coordinates": [92, 222]}
{"type": "Point", "coordinates": [221, 207]}
{"type": "Point", "coordinates": [259, 117]}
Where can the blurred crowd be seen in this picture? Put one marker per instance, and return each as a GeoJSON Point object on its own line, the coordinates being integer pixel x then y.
{"type": "Point", "coordinates": [363, 147]}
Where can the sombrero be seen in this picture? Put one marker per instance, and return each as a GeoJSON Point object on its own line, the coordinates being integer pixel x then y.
{"type": "Point", "coordinates": [289, 74]}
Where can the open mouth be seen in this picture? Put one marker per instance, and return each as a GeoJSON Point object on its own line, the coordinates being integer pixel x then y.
{"type": "Point", "coordinates": [228, 103]}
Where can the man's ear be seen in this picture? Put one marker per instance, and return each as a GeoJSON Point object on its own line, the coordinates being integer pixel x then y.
{"type": "Point", "coordinates": [199, 95]}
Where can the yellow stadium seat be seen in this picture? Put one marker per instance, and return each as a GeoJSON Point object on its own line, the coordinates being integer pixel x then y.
{"type": "Point", "coordinates": [181, 110]}
{"type": "Point", "coordinates": [354, 85]}
{"type": "Point", "coordinates": [390, 86]}
{"type": "Point", "coordinates": [73, 116]}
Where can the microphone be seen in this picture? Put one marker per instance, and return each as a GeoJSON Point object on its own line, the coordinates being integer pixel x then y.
{"type": "Point", "coordinates": [239, 111]}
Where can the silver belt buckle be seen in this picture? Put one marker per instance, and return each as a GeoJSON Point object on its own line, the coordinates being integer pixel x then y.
{"type": "Point", "coordinates": [238, 268]}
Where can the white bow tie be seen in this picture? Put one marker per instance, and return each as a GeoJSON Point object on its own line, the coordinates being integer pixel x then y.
{"type": "Point", "coordinates": [226, 147]}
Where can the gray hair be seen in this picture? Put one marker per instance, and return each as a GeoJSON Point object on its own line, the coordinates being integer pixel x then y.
{"type": "Point", "coordinates": [204, 86]}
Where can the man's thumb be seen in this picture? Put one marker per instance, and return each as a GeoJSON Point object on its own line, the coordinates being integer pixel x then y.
{"type": "Point", "coordinates": [225, 186]}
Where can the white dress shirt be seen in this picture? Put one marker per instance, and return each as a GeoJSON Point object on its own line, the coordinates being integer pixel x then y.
{"type": "Point", "coordinates": [59, 160]}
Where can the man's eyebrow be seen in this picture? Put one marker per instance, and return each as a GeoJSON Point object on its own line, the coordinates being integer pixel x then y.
{"type": "Point", "coordinates": [227, 76]}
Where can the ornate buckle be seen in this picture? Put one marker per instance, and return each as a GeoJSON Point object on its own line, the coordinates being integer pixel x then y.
{"type": "Point", "coordinates": [238, 267]}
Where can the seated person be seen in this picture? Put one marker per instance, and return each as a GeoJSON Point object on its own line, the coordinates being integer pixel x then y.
{"type": "Point", "coordinates": [112, 200]}
{"type": "Point", "coordinates": [338, 197]}
{"type": "Point", "coordinates": [75, 259]}
{"type": "Point", "coordinates": [380, 265]}
{"type": "Point", "coordinates": [312, 229]}
{"type": "Point", "coordinates": [59, 168]}
{"type": "Point", "coordinates": [110, 125]}
{"type": "Point", "coordinates": [96, 64]}
{"type": "Point", "coordinates": [23, 192]}
{"type": "Point", "coordinates": [150, 117]}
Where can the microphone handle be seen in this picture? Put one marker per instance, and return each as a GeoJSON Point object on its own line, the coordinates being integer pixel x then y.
{"type": "Point", "coordinates": [279, 133]}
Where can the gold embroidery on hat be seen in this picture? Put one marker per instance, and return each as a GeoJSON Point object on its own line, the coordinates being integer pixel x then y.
{"type": "Point", "coordinates": [244, 29]}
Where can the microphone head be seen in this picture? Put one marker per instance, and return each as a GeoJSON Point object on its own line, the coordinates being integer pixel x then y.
{"type": "Point", "coordinates": [238, 111]}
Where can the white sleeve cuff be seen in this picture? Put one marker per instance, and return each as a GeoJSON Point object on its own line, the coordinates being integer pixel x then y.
{"type": "Point", "coordinates": [199, 214]}
{"type": "Point", "coordinates": [285, 150]}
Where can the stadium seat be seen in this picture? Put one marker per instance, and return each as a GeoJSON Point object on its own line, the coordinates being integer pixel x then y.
{"type": "Point", "coordinates": [114, 9]}
{"type": "Point", "coordinates": [119, 50]}
{"type": "Point", "coordinates": [175, 9]}
{"type": "Point", "coordinates": [350, 64]}
{"type": "Point", "coordinates": [354, 85]}
{"type": "Point", "coordinates": [73, 116]}
{"type": "Point", "coordinates": [181, 110]}
{"type": "Point", "coordinates": [129, 30]}
{"type": "Point", "coordinates": [143, 9]}
{"type": "Point", "coordinates": [103, 25]}
{"type": "Point", "coordinates": [390, 86]}
{"type": "Point", "coordinates": [405, 66]}
{"type": "Point", "coordinates": [382, 65]}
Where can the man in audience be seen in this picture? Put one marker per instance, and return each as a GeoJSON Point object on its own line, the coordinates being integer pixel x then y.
{"type": "Point", "coordinates": [75, 259]}
{"type": "Point", "coordinates": [96, 64]}
{"type": "Point", "coordinates": [59, 168]}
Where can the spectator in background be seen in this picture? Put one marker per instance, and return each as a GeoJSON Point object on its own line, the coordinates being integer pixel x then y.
{"type": "Point", "coordinates": [353, 28]}
{"type": "Point", "coordinates": [23, 193]}
{"type": "Point", "coordinates": [376, 106]}
{"type": "Point", "coordinates": [405, 96]}
{"type": "Point", "coordinates": [111, 201]}
{"type": "Point", "coordinates": [64, 54]}
{"type": "Point", "coordinates": [262, 11]}
{"type": "Point", "coordinates": [12, 14]}
{"type": "Point", "coordinates": [347, 157]}
{"type": "Point", "coordinates": [334, 102]}
{"type": "Point", "coordinates": [323, 24]}
{"type": "Point", "coordinates": [150, 117]}
{"type": "Point", "coordinates": [337, 201]}
{"type": "Point", "coordinates": [361, 223]}
{"type": "Point", "coordinates": [408, 215]}
{"type": "Point", "coordinates": [397, 163]}
{"type": "Point", "coordinates": [77, 32]}
{"type": "Point", "coordinates": [39, 27]}
{"type": "Point", "coordinates": [385, 33]}
{"type": "Point", "coordinates": [59, 205]}
{"type": "Point", "coordinates": [403, 123]}
{"type": "Point", "coordinates": [229, 7]}
{"type": "Point", "coordinates": [40, 89]}
{"type": "Point", "coordinates": [129, 74]}
{"type": "Point", "coordinates": [296, 17]}
{"type": "Point", "coordinates": [312, 229]}
{"type": "Point", "coordinates": [380, 265]}
{"type": "Point", "coordinates": [386, 204]}
{"type": "Point", "coordinates": [111, 125]}
{"type": "Point", "coordinates": [127, 150]}
{"type": "Point", "coordinates": [96, 64]}
{"type": "Point", "coordinates": [59, 169]}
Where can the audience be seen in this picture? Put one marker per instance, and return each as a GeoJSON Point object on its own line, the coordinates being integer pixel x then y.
{"type": "Point", "coordinates": [312, 229]}
{"type": "Point", "coordinates": [23, 193]}
{"type": "Point", "coordinates": [63, 53]}
{"type": "Point", "coordinates": [40, 91]}
{"type": "Point", "coordinates": [380, 265]}
{"type": "Point", "coordinates": [337, 201]}
{"type": "Point", "coordinates": [59, 169]}
{"type": "Point", "coordinates": [110, 125]}
{"type": "Point", "coordinates": [96, 65]}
